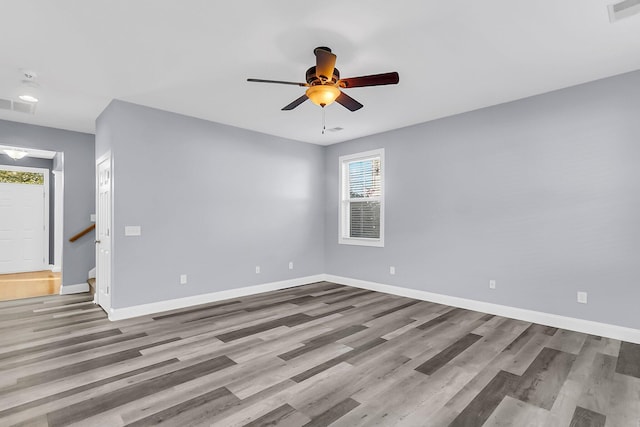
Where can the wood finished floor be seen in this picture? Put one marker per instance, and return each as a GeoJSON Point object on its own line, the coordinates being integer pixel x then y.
{"type": "Point", "coordinates": [31, 284]}
{"type": "Point", "coordinates": [316, 355]}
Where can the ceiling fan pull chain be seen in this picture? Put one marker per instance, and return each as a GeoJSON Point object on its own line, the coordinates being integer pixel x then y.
{"type": "Point", "coordinates": [323, 121]}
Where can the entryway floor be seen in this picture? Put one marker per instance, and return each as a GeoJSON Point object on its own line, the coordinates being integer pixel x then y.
{"type": "Point", "coordinates": [27, 285]}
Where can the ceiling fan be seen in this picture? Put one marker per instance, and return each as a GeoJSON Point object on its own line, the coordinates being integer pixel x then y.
{"type": "Point", "coordinates": [324, 83]}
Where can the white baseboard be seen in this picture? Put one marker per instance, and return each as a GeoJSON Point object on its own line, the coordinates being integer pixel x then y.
{"type": "Point", "coordinates": [160, 306]}
{"type": "Point", "coordinates": [74, 289]}
{"type": "Point", "coordinates": [579, 325]}
{"type": "Point", "coordinates": [55, 268]}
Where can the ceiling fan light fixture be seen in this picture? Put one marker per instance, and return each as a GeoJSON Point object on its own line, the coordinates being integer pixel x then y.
{"type": "Point", "coordinates": [323, 95]}
{"type": "Point", "coordinates": [15, 154]}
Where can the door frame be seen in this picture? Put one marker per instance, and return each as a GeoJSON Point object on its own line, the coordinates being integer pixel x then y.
{"type": "Point", "coordinates": [105, 301]}
{"type": "Point", "coordinates": [45, 240]}
{"type": "Point", "coordinates": [58, 220]}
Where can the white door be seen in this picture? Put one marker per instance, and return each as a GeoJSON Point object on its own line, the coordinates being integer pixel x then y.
{"type": "Point", "coordinates": [24, 219]}
{"type": "Point", "coordinates": [103, 235]}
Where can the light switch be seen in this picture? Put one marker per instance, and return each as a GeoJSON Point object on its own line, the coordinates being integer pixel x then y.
{"type": "Point", "coordinates": [92, 218]}
{"type": "Point", "coordinates": [132, 230]}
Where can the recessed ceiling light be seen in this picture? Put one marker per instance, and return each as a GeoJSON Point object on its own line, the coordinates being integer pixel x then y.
{"type": "Point", "coordinates": [28, 98]}
{"type": "Point", "coordinates": [29, 92]}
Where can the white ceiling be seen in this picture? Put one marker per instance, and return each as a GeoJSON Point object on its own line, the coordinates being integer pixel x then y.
{"type": "Point", "coordinates": [194, 56]}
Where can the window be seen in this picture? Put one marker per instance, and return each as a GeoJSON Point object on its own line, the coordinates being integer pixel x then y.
{"type": "Point", "coordinates": [17, 177]}
{"type": "Point", "coordinates": [362, 199]}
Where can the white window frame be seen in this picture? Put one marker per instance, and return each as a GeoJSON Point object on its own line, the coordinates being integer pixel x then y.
{"type": "Point", "coordinates": [344, 199]}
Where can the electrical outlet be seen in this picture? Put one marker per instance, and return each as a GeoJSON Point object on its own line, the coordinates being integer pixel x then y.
{"type": "Point", "coordinates": [257, 269]}
{"type": "Point", "coordinates": [582, 297]}
{"type": "Point", "coordinates": [290, 265]}
{"type": "Point", "coordinates": [183, 279]}
{"type": "Point", "coordinates": [492, 284]}
{"type": "Point", "coordinates": [392, 270]}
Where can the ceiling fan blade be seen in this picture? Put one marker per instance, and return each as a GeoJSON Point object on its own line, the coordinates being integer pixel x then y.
{"type": "Point", "coordinates": [277, 81]}
{"type": "Point", "coordinates": [325, 63]}
{"type": "Point", "coordinates": [295, 103]}
{"type": "Point", "coordinates": [372, 80]}
{"type": "Point", "coordinates": [348, 102]}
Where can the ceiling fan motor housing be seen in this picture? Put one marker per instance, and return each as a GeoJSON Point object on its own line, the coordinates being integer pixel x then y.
{"type": "Point", "coordinates": [313, 80]}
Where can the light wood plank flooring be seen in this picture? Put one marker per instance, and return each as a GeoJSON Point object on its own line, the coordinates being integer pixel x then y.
{"type": "Point", "coordinates": [315, 355]}
{"type": "Point", "coordinates": [27, 285]}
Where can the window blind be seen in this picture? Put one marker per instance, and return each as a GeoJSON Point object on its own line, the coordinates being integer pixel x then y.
{"type": "Point", "coordinates": [365, 189]}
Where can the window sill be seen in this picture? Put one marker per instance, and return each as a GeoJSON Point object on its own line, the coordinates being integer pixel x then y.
{"type": "Point", "coordinates": [361, 242]}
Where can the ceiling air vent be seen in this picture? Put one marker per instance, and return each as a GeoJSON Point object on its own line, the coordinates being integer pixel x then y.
{"type": "Point", "coordinates": [20, 107]}
{"type": "Point", "coordinates": [623, 9]}
{"type": "Point", "coordinates": [335, 129]}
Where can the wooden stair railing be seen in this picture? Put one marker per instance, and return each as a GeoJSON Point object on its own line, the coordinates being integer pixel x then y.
{"type": "Point", "coordinates": [82, 233]}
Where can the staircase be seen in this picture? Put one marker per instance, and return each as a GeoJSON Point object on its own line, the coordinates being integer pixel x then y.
{"type": "Point", "coordinates": [91, 277]}
{"type": "Point", "coordinates": [92, 281]}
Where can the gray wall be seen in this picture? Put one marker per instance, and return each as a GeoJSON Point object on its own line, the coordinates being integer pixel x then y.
{"type": "Point", "coordinates": [213, 202]}
{"type": "Point", "coordinates": [541, 194]}
{"type": "Point", "coordinates": [32, 162]}
{"type": "Point", "coordinates": [79, 188]}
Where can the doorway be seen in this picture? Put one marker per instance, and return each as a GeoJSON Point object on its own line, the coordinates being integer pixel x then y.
{"type": "Point", "coordinates": [30, 265]}
{"type": "Point", "coordinates": [24, 219]}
